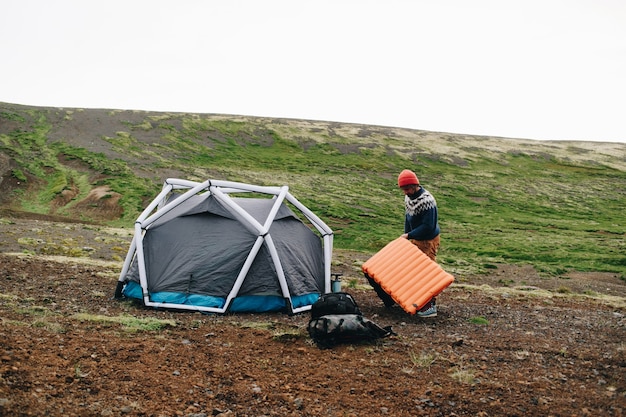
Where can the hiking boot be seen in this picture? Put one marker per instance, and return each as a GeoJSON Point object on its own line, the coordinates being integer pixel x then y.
{"type": "Point", "coordinates": [429, 310]}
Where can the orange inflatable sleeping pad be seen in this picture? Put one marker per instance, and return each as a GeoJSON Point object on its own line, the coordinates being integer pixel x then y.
{"type": "Point", "coordinates": [407, 274]}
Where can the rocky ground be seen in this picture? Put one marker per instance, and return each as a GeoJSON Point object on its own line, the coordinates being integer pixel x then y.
{"type": "Point", "coordinates": [508, 343]}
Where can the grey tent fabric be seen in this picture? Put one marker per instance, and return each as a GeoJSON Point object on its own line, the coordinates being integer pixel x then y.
{"type": "Point", "coordinates": [203, 248]}
{"type": "Point", "coordinates": [200, 245]}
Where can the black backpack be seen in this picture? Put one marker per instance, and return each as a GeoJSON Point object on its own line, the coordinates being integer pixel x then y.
{"type": "Point", "coordinates": [336, 318]}
{"type": "Point", "coordinates": [334, 303]}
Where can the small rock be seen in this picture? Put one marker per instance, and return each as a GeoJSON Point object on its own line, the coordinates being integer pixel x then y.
{"type": "Point", "coordinates": [298, 403]}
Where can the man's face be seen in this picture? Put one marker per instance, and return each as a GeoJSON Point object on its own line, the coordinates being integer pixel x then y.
{"type": "Point", "coordinates": [409, 189]}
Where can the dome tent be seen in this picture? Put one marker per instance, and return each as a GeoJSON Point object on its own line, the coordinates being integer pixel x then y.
{"type": "Point", "coordinates": [198, 247]}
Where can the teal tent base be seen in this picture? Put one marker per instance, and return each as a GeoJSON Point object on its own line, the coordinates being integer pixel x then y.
{"type": "Point", "coordinates": [242, 304]}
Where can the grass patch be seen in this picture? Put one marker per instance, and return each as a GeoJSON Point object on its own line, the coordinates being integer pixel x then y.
{"type": "Point", "coordinates": [11, 297]}
{"type": "Point", "coordinates": [50, 326]}
{"type": "Point", "coordinates": [33, 310]}
{"type": "Point", "coordinates": [423, 359]}
{"type": "Point", "coordinates": [279, 333]}
{"type": "Point", "coordinates": [464, 376]}
{"type": "Point", "coordinates": [353, 283]}
{"type": "Point", "coordinates": [13, 322]}
{"type": "Point", "coordinates": [289, 335]}
{"type": "Point", "coordinates": [128, 322]}
{"type": "Point", "coordinates": [478, 320]}
{"type": "Point", "coordinates": [259, 325]}
{"type": "Point", "coordinates": [500, 201]}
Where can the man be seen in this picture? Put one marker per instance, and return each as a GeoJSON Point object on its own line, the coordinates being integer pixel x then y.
{"type": "Point", "coordinates": [421, 227]}
{"type": "Point", "coordinates": [421, 224]}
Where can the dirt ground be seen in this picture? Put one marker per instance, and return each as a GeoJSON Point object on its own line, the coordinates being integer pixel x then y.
{"type": "Point", "coordinates": [508, 343]}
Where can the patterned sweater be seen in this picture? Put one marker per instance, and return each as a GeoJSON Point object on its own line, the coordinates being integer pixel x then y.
{"type": "Point", "coordinates": [421, 218]}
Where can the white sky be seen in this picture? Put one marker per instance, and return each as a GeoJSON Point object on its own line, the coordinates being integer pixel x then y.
{"type": "Point", "coordinates": [537, 69]}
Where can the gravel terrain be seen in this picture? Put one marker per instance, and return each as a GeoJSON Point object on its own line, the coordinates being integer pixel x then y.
{"type": "Point", "coordinates": [509, 343]}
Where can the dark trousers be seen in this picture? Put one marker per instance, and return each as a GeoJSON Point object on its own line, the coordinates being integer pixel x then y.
{"type": "Point", "coordinates": [387, 300]}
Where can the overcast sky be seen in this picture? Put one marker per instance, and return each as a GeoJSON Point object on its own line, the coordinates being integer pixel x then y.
{"type": "Point", "coordinates": [537, 69]}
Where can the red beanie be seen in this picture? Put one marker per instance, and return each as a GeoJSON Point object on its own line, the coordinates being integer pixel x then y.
{"type": "Point", "coordinates": [407, 177]}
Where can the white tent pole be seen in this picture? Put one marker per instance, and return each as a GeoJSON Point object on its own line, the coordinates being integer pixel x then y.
{"type": "Point", "coordinates": [244, 270]}
{"type": "Point", "coordinates": [133, 244]}
{"type": "Point", "coordinates": [272, 214]}
{"type": "Point", "coordinates": [327, 235]}
{"type": "Point", "coordinates": [300, 309]}
{"type": "Point", "coordinates": [172, 204]}
{"type": "Point", "coordinates": [263, 235]}
{"type": "Point", "coordinates": [178, 183]}
{"type": "Point", "coordinates": [328, 258]}
{"type": "Point", "coordinates": [169, 185]}
{"type": "Point", "coordinates": [279, 267]}
{"type": "Point", "coordinates": [237, 210]}
{"type": "Point", "coordinates": [146, 212]}
{"type": "Point", "coordinates": [270, 243]}
{"type": "Point", "coordinates": [316, 221]}
{"type": "Point", "coordinates": [128, 259]}
{"type": "Point", "coordinates": [246, 187]}
{"type": "Point", "coordinates": [186, 307]}
{"type": "Point", "coordinates": [143, 280]}
{"type": "Point", "coordinates": [263, 232]}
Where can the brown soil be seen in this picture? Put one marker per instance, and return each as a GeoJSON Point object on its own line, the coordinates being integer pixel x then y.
{"type": "Point", "coordinates": [509, 343]}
